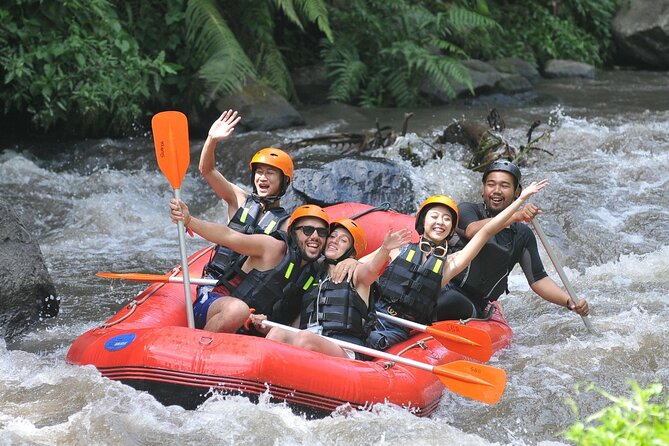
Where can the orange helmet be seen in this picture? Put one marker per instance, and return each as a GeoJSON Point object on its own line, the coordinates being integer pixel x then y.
{"type": "Point", "coordinates": [308, 210]}
{"type": "Point", "coordinates": [358, 234]}
{"type": "Point", "coordinates": [276, 158]}
{"type": "Point", "coordinates": [437, 200]}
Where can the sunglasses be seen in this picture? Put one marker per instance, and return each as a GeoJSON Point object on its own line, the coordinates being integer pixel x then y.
{"type": "Point", "coordinates": [308, 230]}
{"type": "Point", "coordinates": [437, 251]}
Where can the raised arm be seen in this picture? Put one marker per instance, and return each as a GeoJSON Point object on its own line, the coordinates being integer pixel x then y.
{"type": "Point", "coordinates": [527, 212]}
{"type": "Point", "coordinates": [458, 261]}
{"type": "Point", "coordinates": [366, 273]}
{"type": "Point", "coordinates": [221, 130]}
{"type": "Point", "coordinates": [252, 245]}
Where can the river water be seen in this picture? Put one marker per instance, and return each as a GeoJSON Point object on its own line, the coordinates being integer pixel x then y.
{"type": "Point", "coordinates": [101, 206]}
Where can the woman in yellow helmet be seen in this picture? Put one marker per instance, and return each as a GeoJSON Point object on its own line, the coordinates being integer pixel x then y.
{"type": "Point", "coordinates": [417, 272]}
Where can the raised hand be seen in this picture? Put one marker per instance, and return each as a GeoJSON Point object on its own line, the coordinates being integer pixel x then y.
{"type": "Point", "coordinates": [223, 127]}
{"type": "Point", "coordinates": [533, 188]}
{"type": "Point", "coordinates": [396, 239]}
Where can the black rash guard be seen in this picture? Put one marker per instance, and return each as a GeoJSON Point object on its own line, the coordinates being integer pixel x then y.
{"type": "Point", "coordinates": [485, 279]}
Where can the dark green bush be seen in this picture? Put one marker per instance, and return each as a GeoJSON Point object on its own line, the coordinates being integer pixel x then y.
{"type": "Point", "coordinates": [72, 64]}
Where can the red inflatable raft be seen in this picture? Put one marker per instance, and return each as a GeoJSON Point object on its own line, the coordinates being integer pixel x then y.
{"type": "Point", "coordinates": [149, 346]}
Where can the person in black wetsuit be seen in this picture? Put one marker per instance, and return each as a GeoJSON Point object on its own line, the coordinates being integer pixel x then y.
{"type": "Point", "coordinates": [468, 294]}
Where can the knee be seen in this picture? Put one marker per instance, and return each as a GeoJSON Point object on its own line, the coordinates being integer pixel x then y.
{"type": "Point", "coordinates": [377, 340]}
{"type": "Point", "coordinates": [306, 340]}
{"type": "Point", "coordinates": [277, 334]}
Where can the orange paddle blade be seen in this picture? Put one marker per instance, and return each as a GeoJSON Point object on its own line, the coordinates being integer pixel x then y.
{"type": "Point", "coordinates": [170, 136]}
{"type": "Point", "coordinates": [460, 338]}
{"type": "Point", "coordinates": [138, 277]}
{"type": "Point", "coordinates": [476, 381]}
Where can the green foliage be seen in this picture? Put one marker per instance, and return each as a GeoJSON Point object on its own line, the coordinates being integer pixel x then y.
{"type": "Point", "coordinates": [72, 63]}
{"type": "Point", "coordinates": [628, 421]}
{"type": "Point", "coordinates": [575, 29]}
{"type": "Point", "coordinates": [236, 41]}
{"type": "Point", "coordinates": [385, 50]}
{"type": "Point", "coordinates": [159, 25]}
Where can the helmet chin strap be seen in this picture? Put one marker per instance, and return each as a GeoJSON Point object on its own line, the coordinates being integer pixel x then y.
{"type": "Point", "coordinates": [267, 201]}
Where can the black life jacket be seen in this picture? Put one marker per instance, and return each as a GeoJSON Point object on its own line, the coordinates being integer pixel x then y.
{"type": "Point", "coordinates": [226, 263]}
{"type": "Point", "coordinates": [278, 292]}
{"type": "Point", "coordinates": [412, 288]}
{"type": "Point", "coordinates": [338, 308]}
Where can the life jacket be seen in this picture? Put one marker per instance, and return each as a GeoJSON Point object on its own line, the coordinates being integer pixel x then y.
{"type": "Point", "coordinates": [411, 288]}
{"type": "Point", "coordinates": [278, 292]}
{"type": "Point", "coordinates": [337, 308]}
{"type": "Point", "coordinates": [226, 263]}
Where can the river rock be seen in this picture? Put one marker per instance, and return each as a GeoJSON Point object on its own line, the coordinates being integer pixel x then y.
{"type": "Point", "coordinates": [641, 32]}
{"type": "Point", "coordinates": [516, 66]}
{"type": "Point", "coordinates": [359, 179]}
{"type": "Point", "coordinates": [261, 108]}
{"type": "Point", "coordinates": [27, 293]}
{"type": "Point", "coordinates": [568, 68]}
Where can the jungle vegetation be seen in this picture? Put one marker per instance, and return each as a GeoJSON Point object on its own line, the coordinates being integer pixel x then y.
{"type": "Point", "coordinates": [98, 67]}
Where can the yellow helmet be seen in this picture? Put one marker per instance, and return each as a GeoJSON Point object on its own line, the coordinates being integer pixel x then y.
{"type": "Point", "coordinates": [358, 234]}
{"type": "Point", "coordinates": [434, 200]}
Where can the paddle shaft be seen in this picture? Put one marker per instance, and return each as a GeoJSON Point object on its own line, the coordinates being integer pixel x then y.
{"type": "Point", "coordinates": [560, 271]}
{"type": "Point", "coordinates": [184, 267]}
{"type": "Point", "coordinates": [360, 349]}
{"type": "Point", "coordinates": [403, 322]}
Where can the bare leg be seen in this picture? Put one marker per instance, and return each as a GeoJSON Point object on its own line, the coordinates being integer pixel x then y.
{"type": "Point", "coordinates": [313, 342]}
{"type": "Point", "coordinates": [281, 335]}
{"type": "Point", "coordinates": [227, 315]}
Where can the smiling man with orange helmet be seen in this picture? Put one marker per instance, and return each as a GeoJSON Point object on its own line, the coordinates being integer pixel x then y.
{"type": "Point", "coordinates": [276, 269]}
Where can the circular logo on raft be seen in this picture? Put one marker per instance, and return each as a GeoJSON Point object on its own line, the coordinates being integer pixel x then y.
{"type": "Point", "coordinates": [119, 342]}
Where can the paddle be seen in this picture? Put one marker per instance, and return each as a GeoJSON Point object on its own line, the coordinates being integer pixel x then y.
{"type": "Point", "coordinates": [472, 380]}
{"type": "Point", "coordinates": [560, 271]}
{"type": "Point", "coordinates": [170, 137]}
{"type": "Point", "coordinates": [460, 338]}
{"type": "Point", "coordinates": [143, 277]}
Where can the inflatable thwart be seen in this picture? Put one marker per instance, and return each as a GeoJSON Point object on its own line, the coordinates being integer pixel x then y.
{"type": "Point", "coordinates": [149, 346]}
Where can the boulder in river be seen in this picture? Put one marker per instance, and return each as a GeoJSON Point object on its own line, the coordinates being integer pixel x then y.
{"type": "Point", "coordinates": [27, 293]}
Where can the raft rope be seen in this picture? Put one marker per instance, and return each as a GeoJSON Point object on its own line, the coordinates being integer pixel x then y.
{"type": "Point", "coordinates": [382, 207]}
{"type": "Point", "coordinates": [420, 343]}
{"type": "Point", "coordinates": [487, 314]}
{"type": "Point", "coordinates": [144, 296]}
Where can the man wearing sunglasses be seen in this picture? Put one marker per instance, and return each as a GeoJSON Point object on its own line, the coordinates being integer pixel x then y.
{"type": "Point", "coordinates": [276, 272]}
{"type": "Point", "coordinates": [485, 279]}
